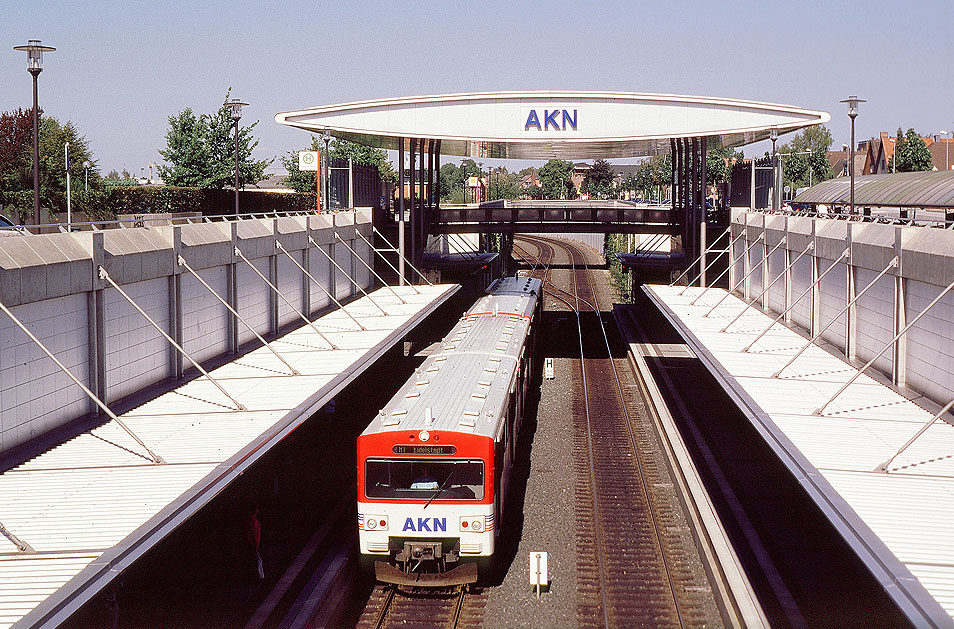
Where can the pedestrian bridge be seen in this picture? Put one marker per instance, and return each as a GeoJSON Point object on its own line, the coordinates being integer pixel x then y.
{"type": "Point", "coordinates": [546, 217]}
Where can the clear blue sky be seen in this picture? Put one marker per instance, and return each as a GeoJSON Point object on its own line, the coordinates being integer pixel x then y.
{"type": "Point", "coordinates": [121, 69]}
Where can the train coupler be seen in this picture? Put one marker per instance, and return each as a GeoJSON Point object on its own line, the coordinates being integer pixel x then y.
{"type": "Point", "coordinates": [464, 574]}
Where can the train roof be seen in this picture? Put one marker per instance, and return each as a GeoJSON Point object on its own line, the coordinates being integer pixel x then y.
{"type": "Point", "coordinates": [465, 383]}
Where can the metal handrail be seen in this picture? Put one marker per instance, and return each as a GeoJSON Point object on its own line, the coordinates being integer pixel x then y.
{"type": "Point", "coordinates": [745, 277]}
{"type": "Point", "coordinates": [385, 258]}
{"type": "Point", "coordinates": [403, 257]}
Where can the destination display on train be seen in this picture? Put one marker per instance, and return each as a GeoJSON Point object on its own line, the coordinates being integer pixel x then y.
{"type": "Point", "coordinates": [415, 449]}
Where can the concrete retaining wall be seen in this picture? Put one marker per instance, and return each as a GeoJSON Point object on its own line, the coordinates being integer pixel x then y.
{"type": "Point", "coordinates": [922, 359]}
{"type": "Point", "coordinates": [52, 283]}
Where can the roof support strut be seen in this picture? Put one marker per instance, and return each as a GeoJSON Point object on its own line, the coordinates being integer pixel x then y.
{"type": "Point", "coordinates": [307, 321]}
{"type": "Point", "coordinates": [279, 246]}
{"type": "Point", "coordinates": [368, 266]}
{"type": "Point", "coordinates": [821, 409]}
{"type": "Point", "coordinates": [844, 254]}
{"type": "Point", "coordinates": [152, 455]}
{"type": "Point", "coordinates": [766, 288]}
{"type": "Point", "coordinates": [185, 264]}
{"type": "Point", "coordinates": [346, 274]}
{"type": "Point", "coordinates": [383, 257]}
{"type": "Point", "coordinates": [388, 242]}
{"type": "Point", "coordinates": [103, 275]}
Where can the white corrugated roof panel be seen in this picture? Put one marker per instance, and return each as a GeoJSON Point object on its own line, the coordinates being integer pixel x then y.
{"type": "Point", "coordinates": [898, 522]}
{"type": "Point", "coordinates": [75, 502]}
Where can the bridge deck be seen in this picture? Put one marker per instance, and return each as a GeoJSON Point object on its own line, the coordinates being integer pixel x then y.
{"type": "Point", "coordinates": [529, 216]}
{"type": "Point", "coordinates": [93, 505]}
{"type": "Point", "coordinates": [897, 522]}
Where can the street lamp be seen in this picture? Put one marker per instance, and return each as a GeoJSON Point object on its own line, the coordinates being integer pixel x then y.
{"type": "Point", "coordinates": [236, 107]}
{"type": "Point", "coordinates": [326, 170]}
{"type": "Point", "coordinates": [844, 147]}
{"type": "Point", "coordinates": [86, 166]}
{"type": "Point", "coordinates": [853, 102]}
{"type": "Point", "coordinates": [34, 51]}
{"type": "Point", "coordinates": [773, 135]}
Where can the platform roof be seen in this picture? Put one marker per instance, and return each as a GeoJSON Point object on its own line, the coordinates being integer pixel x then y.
{"type": "Point", "coordinates": [553, 124]}
{"type": "Point", "coordinates": [898, 522]}
{"type": "Point", "coordinates": [92, 506]}
{"type": "Point", "coordinates": [928, 189]}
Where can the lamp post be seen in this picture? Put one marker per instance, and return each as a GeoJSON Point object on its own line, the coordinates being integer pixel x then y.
{"type": "Point", "coordinates": [776, 198]}
{"type": "Point", "coordinates": [844, 147]}
{"type": "Point", "coordinates": [236, 106]}
{"type": "Point", "coordinates": [326, 170]}
{"type": "Point", "coordinates": [66, 161]}
{"type": "Point", "coordinates": [853, 102]}
{"type": "Point", "coordinates": [86, 165]}
{"type": "Point", "coordinates": [34, 51]}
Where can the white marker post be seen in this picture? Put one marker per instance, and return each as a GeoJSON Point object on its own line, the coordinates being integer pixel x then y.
{"type": "Point", "coordinates": [538, 571]}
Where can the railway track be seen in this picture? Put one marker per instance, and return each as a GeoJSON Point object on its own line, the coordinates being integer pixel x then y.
{"type": "Point", "coordinates": [633, 564]}
{"type": "Point", "coordinates": [394, 606]}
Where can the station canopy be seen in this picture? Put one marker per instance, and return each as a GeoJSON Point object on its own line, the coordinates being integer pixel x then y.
{"type": "Point", "coordinates": [927, 189]}
{"type": "Point", "coordinates": [553, 125]}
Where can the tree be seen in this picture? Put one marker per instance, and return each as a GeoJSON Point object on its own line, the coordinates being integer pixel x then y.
{"type": "Point", "coordinates": [16, 165]}
{"type": "Point", "coordinates": [719, 164]}
{"type": "Point", "coordinates": [454, 180]}
{"type": "Point", "coordinates": [599, 181]}
{"type": "Point", "coordinates": [805, 158]}
{"type": "Point", "coordinates": [556, 179]}
{"type": "Point", "coordinates": [911, 153]}
{"type": "Point", "coordinates": [201, 150]}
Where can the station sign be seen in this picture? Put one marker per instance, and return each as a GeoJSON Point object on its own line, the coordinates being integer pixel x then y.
{"type": "Point", "coordinates": [308, 161]}
{"type": "Point", "coordinates": [547, 119]}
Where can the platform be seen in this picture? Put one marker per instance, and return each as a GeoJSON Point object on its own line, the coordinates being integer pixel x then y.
{"type": "Point", "coordinates": [898, 521]}
{"type": "Point", "coordinates": [87, 509]}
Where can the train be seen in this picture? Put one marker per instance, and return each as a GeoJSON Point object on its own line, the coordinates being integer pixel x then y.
{"type": "Point", "coordinates": [435, 463]}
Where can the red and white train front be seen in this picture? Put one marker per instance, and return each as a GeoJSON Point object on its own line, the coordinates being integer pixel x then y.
{"type": "Point", "coordinates": [426, 496]}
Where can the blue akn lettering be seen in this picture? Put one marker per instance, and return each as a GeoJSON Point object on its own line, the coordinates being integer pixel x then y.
{"type": "Point", "coordinates": [425, 524]}
{"type": "Point", "coordinates": [551, 120]}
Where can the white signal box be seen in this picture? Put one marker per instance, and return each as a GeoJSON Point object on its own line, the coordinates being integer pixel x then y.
{"type": "Point", "coordinates": [548, 368]}
{"type": "Point", "coordinates": [308, 161]}
{"type": "Point", "coordinates": [539, 576]}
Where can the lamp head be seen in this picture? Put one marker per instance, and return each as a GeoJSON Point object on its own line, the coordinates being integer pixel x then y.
{"type": "Point", "coordinates": [853, 102]}
{"type": "Point", "coordinates": [236, 106]}
{"type": "Point", "coordinates": [34, 50]}
{"type": "Point", "coordinates": [773, 134]}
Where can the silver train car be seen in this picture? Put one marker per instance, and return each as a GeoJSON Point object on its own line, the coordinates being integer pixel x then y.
{"type": "Point", "coordinates": [434, 465]}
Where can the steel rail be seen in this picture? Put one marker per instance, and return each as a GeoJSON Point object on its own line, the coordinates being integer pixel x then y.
{"type": "Point", "coordinates": [589, 434]}
{"type": "Point", "coordinates": [632, 436]}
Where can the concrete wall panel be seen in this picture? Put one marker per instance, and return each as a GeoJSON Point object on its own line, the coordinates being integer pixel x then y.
{"type": "Point", "coordinates": [289, 284]}
{"type": "Point", "coordinates": [204, 318]}
{"type": "Point", "coordinates": [35, 395]}
{"type": "Point", "coordinates": [253, 298]}
{"type": "Point", "coordinates": [930, 342]}
{"type": "Point", "coordinates": [832, 299]}
{"type": "Point", "coordinates": [137, 355]}
{"type": "Point", "coordinates": [875, 319]}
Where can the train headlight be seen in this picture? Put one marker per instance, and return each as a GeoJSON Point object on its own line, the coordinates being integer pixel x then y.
{"type": "Point", "coordinates": [477, 526]}
{"type": "Point", "coordinates": [371, 524]}
{"type": "Point", "coordinates": [424, 435]}
{"type": "Point", "coordinates": [376, 522]}
{"type": "Point", "coordinates": [473, 523]}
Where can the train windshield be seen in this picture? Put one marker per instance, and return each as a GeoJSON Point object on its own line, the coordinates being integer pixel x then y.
{"type": "Point", "coordinates": [416, 479]}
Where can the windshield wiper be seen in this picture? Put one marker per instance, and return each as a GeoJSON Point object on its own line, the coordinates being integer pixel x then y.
{"type": "Point", "coordinates": [440, 489]}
